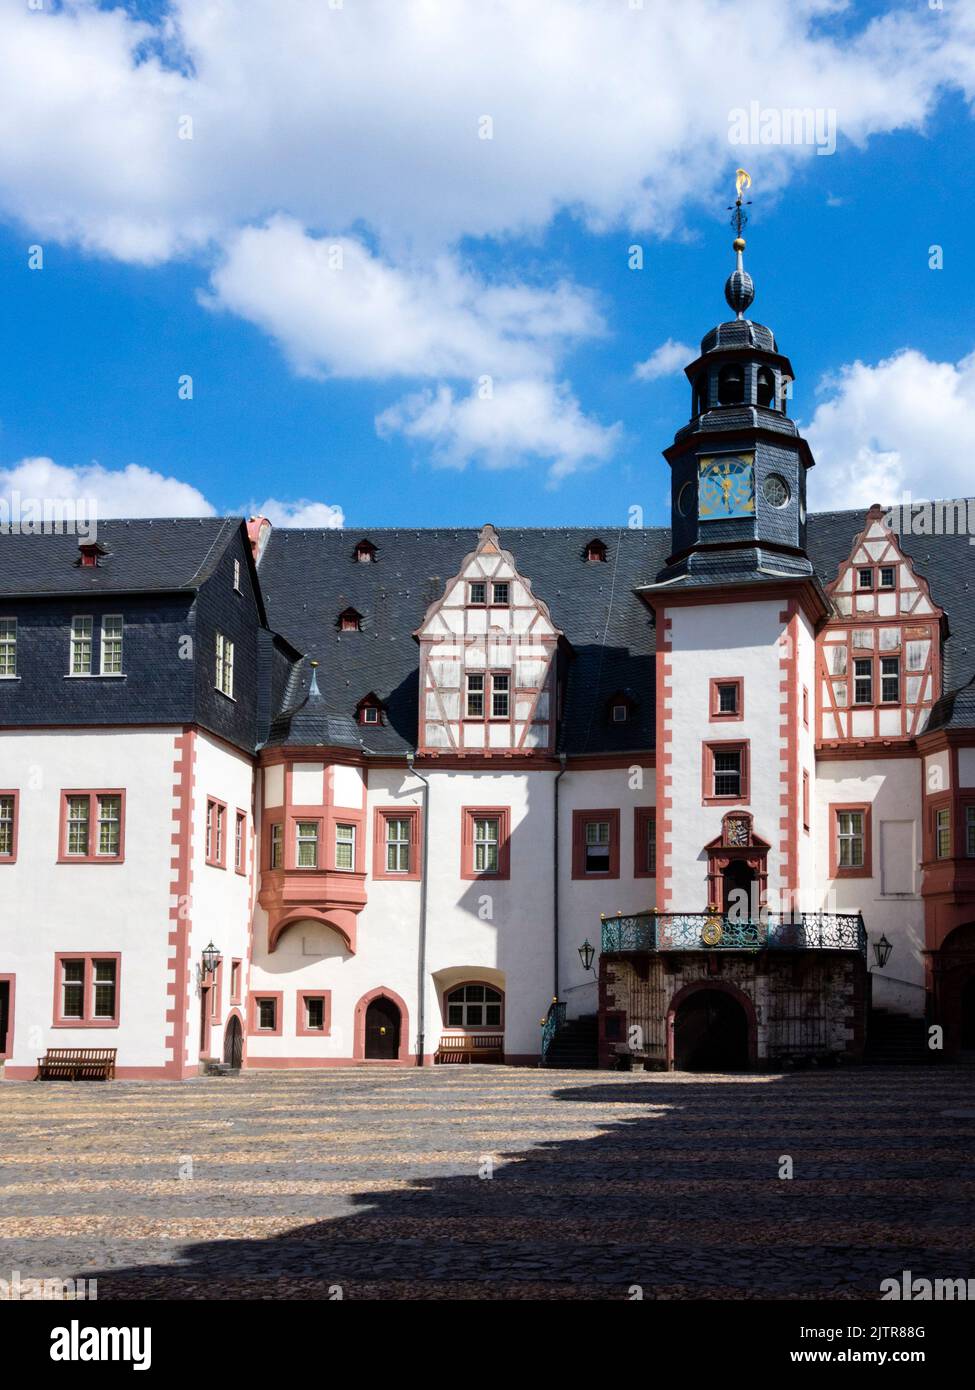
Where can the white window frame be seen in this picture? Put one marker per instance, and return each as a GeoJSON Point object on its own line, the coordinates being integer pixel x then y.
{"type": "Point", "coordinates": [8, 649]}
{"type": "Point", "coordinates": [111, 641]}
{"type": "Point", "coordinates": [108, 823]}
{"type": "Point", "coordinates": [7, 824]}
{"type": "Point", "coordinates": [304, 839]}
{"type": "Point", "coordinates": [345, 842]}
{"type": "Point", "coordinates": [486, 842]}
{"type": "Point", "coordinates": [82, 635]}
{"type": "Point", "coordinates": [225, 665]}
{"type": "Point", "coordinates": [848, 838]}
{"type": "Point", "coordinates": [395, 845]}
{"type": "Point", "coordinates": [501, 697]}
{"type": "Point", "coordinates": [593, 839]}
{"type": "Point", "coordinates": [477, 693]}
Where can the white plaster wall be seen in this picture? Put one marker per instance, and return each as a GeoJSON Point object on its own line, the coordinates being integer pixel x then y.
{"type": "Point", "coordinates": [806, 673]}
{"type": "Point", "coordinates": [473, 926]}
{"type": "Point", "coordinates": [47, 907]}
{"type": "Point", "coordinates": [221, 897]}
{"type": "Point", "coordinates": [892, 787]}
{"type": "Point", "coordinates": [709, 641]}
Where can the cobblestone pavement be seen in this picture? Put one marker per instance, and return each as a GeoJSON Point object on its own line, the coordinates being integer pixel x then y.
{"type": "Point", "coordinates": [286, 1185]}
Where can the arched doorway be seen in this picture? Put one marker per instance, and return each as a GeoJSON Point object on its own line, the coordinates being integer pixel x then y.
{"type": "Point", "coordinates": [711, 1029]}
{"type": "Point", "coordinates": [233, 1043]}
{"type": "Point", "coordinates": [383, 1024]}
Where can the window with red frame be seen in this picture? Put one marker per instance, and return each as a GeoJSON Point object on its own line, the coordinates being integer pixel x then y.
{"type": "Point", "coordinates": [86, 990]}
{"type": "Point", "coordinates": [484, 843]}
{"type": "Point", "coordinates": [8, 827]}
{"type": "Point", "coordinates": [216, 833]}
{"type": "Point", "coordinates": [805, 800]}
{"type": "Point", "coordinates": [92, 826]}
{"type": "Point", "coordinates": [726, 772]}
{"type": "Point", "coordinates": [235, 976]}
{"type": "Point", "coordinates": [240, 842]}
{"type": "Point", "coordinates": [645, 842]}
{"type": "Point", "coordinates": [596, 844]}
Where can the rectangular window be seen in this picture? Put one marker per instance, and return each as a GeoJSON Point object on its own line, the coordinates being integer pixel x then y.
{"type": "Point", "coordinates": [501, 595]}
{"type": "Point", "coordinates": [267, 1014]}
{"type": "Point", "coordinates": [850, 839]}
{"type": "Point", "coordinates": [865, 578]}
{"type": "Point", "coordinates": [727, 772]}
{"type": "Point", "coordinates": [73, 989]}
{"type": "Point", "coordinates": [863, 681]}
{"type": "Point", "coordinates": [477, 594]}
{"type": "Point", "coordinates": [87, 992]}
{"type": "Point", "coordinates": [109, 825]}
{"type": "Point", "coordinates": [888, 576]}
{"type": "Point", "coordinates": [306, 841]}
{"type": "Point", "coordinates": [345, 846]}
{"type": "Point", "coordinates": [225, 665]}
{"type": "Point", "coordinates": [487, 839]}
{"type": "Point", "coordinates": [78, 811]}
{"type": "Point", "coordinates": [805, 705]}
{"type": "Point", "coordinates": [499, 696]}
{"type": "Point", "coordinates": [727, 699]}
{"type": "Point", "coordinates": [397, 845]}
{"type": "Point", "coordinates": [597, 847]}
{"type": "Point", "coordinates": [8, 647]}
{"type": "Point", "coordinates": [276, 857]}
{"type": "Point", "coordinates": [8, 825]}
{"type": "Point", "coordinates": [942, 832]}
{"type": "Point", "coordinates": [235, 981]}
{"type": "Point", "coordinates": [240, 842]}
{"type": "Point", "coordinates": [475, 697]}
{"type": "Point", "coordinates": [890, 680]}
{"type": "Point", "coordinates": [112, 644]}
{"type": "Point", "coordinates": [315, 1013]}
{"type": "Point", "coordinates": [81, 646]}
{"type": "Point", "coordinates": [970, 831]}
{"type": "Point", "coordinates": [103, 993]}
{"type": "Point", "coordinates": [805, 800]}
{"type": "Point", "coordinates": [216, 831]}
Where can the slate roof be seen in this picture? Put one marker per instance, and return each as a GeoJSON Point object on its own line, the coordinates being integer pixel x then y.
{"type": "Point", "coordinates": [144, 556]}
{"type": "Point", "coordinates": [310, 576]}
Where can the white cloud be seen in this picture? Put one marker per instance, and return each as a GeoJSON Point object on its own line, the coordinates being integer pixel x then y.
{"type": "Point", "coordinates": [300, 513]}
{"type": "Point", "coordinates": [899, 427]}
{"type": "Point", "coordinates": [521, 421]}
{"type": "Point", "coordinates": [41, 487]}
{"type": "Point", "coordinates": [338, 310]}
{"type": "Point", "coordinates": [103, 492]}
{"type": "Point", "coordinates": [369, 113]}
{"type": "Point", "coordinates": [668, 359]}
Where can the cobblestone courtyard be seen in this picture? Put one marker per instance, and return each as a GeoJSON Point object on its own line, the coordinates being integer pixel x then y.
{"type": "Point", "coordinates": [286, 1185]}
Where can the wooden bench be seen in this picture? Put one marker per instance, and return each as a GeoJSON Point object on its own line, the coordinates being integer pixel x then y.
{"type": "Point", "coordinates": [77, 1064]}
{"type": "Point", "coordinates": [469, 1047]}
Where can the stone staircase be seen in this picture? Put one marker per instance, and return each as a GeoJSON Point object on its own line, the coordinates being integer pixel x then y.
{"type": "Point", "coordinates": [897, 1040]}
{"type": "Point", "coordinates": [575, 1046]}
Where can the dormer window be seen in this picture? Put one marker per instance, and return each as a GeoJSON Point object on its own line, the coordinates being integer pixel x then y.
{"type": "Point", "coordinates": [596, 551]}
{"type": "Point", "coordinates": [350, 621]}
{"type": "Point", "coordinates": [365, 552]}
{"type": "Point", "coordinates": [369, 710]}
{"type": "Point", "coordinates": [621, 707]}
{"type": "Point", "coordinates": [90, 554]}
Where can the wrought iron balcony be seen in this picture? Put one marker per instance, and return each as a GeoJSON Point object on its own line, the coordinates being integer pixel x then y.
{"type": "Point", "coordinates": [716, 931]}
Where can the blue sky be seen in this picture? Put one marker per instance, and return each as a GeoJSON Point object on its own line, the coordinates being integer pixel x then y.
{"type": "Point", "coordinates": [149, 276]}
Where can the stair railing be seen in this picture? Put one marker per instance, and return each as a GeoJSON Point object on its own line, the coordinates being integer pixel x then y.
{"type": "Point", "coordinates": [551, 1023]}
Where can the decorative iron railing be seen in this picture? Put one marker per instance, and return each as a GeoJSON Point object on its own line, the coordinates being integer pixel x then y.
{"type": "Point", "coordinates": [716, 931]}
{"type": "Point", "coordinates": [551, 1024]}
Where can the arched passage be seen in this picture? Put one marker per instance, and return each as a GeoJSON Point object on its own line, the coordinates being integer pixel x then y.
{"type": "Point", "coordinates": [381, 1009]}
{"type": "Point", "coordinates": [233, 1042]}
{"type": "Point", "coordinates": [711, 1026]}
{"type": "Point", "coordinates": [955, 989]}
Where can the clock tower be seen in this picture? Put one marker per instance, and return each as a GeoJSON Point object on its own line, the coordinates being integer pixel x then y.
{"type": "Point", "coordinates": [738, 467]}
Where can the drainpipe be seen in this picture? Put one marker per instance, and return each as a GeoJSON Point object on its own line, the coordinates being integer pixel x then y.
{"type": "Point", "coordinates": [421, 955]}
{"type": "Point", "coordinates": [555, 898]}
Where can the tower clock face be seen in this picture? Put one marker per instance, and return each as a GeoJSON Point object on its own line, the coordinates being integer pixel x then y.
{"type": "Point", "coordinates": [726, 487]}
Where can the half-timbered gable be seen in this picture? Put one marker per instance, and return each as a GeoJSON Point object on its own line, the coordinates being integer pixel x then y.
{"type": "Point", "coordinates": [487, 660]}
{"type": "Point", "coordinates": [879, 658]}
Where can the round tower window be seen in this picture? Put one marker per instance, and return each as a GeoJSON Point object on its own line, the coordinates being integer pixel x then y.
{"type": "Point", "coordinates": [685, 499]}
{"type": "Point", "coordinates": [776, 490]}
